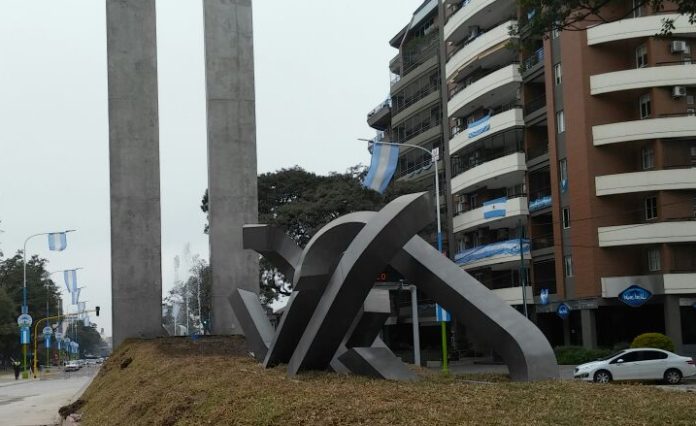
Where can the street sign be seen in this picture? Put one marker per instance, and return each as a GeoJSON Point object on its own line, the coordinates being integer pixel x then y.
{"type": "Point", "coordinates": [441, 314]}
{"type": "Point", "coordinates": [47, 331]}
{"type": "Point", "coordinates": [24, 336]}
{"type": "Point", "coordinates": [436, 154]}
{"type": "Point", "coordinates": [563, 310]}
{"type": "Point", "coordinates": [24, 320]}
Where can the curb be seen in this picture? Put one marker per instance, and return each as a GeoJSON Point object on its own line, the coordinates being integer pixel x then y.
{"type": "Point", "coordinates": [58, 420]}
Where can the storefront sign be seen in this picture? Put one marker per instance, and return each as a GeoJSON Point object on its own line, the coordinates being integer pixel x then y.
{"type": "Point", "coordinates": [563, 310]}
{"type": "Point", "coordinates": [635, 296]}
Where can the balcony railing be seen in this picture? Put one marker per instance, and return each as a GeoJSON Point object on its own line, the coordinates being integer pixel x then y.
{"type": "Point", "coordinates": [487, 251]}
{"type": "Point", "coordinates": [464, 207]}
{"type": "Point", "coordinates": [455, 130]}
{"type": "Point", "coordinates": [542, 243]}
{"type": "Point", "coordinates": [407, 102]}
{"type": "Point", "coordinates": [481, 74]}
{"type": "Point", "coordinates": [384, 104]}
{"type": "Point", "coordinates": [537, 150]}
{"type": "Point", "coordinates": [461, 165]}
{"type": "Point", "coordinates": [418, 129]}
{"type": "Point", "coordinates": [421, 166]}
{"type": "Point", "coordinates": [535, 104]}
{"type": "Point", "coordinates": [530, 62]}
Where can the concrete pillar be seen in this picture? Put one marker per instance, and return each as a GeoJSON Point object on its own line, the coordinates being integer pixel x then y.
{"type": "Point", "coordinates": [229, 63]}
{"type": "Point", "coordinates": [136, 263]}
{"type": "Point", "coordinates": [566, 332]}
{"type": "Point", "coordinates": [673, 328]}
{"type": "Point", "coordinates": [588, 322]}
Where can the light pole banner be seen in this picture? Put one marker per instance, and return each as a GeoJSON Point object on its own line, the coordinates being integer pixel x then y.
{"type": "Point", "coordinates": [47, 341]}
{"type": "Point", "coordinates": [70, 279]}
{"type": "Point", "coordinates": [24, 336]}
{"type": "Point", "coordinates": [57, 241]}
{"type": "Point", "coordinates": [76, 296]}
{"type": "Point", "coordinates": [382, 166]}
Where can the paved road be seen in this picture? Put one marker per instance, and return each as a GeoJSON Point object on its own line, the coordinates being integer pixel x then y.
{"type": "Point", "coordinates": [36, 402]}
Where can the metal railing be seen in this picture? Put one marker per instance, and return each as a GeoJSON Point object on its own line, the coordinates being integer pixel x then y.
{"type": "Point", "coordinates": [535, 58]}
{"type": "Point", "coordinates": [535, 104]}
{"type": "Point", "coordinates": [463, 208]}
{"type": "Point", "coordinates": [407, 102]}
{"type": "Point", "coordinates": [464, 164]}
{"type": "Point", "coordinates": [417, 130]}
{"type": "Point", "coordinates": [482, 73]}
{"type": "Point", "coordinates": [455, 130]}
{"type": "Point", "coordinates": [384, 104]}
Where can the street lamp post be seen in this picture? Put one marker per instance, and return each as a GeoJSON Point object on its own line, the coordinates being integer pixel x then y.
{"type": "Point", "coordinates": [25, 307]}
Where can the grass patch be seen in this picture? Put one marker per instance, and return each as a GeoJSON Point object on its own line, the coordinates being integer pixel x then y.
{"type": "Point", "coordinates": [176, 381]}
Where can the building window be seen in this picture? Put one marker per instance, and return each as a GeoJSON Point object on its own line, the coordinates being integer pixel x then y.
{"type": "Point", "coordinates": [648, 155]}
{"type": "Point", "coordinates": [689, 99]}
{"type": "Point", "coordinates": [560, 122]}
{"type": "Point", "coordinates": [563, 171]}
{"type": "Point", "coordinates": [566, 218]}
{"type": "Point", "coordinates": [645, 106]}
{"type": "Point", "coordinates": [568, 265]}
{"type": "Point", "coordinates": [654, 259]}
{"type": "Point", "coordinates": [650, 208]}
{"type": "Point", "coordinates": [641, 56]}
{"type": "Point", "coordinates": [557, 74]}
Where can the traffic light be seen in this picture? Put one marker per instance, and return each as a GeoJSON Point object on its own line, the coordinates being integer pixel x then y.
{"type": "Point", "coordinates": [96, 308]}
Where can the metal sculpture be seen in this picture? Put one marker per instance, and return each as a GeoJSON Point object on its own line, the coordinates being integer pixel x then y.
{"type": "Point", "coordinates": [333, 316]}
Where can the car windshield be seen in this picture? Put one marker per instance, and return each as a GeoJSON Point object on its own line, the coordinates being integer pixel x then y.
{"type": "Point", "coordinates": [607, 358]}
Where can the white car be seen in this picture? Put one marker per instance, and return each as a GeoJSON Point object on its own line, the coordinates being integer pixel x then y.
{"type": "Point", "coordinates": [72, 366]}
{"type": "Point", "coordinates": [638, 364]}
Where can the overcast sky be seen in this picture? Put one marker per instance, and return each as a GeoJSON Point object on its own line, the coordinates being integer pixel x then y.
{"type": "Point", "coordinates": [320, 67]}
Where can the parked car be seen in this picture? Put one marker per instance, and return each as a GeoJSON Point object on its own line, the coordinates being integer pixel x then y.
{"type": "Point", "coordinates": [72, 366]}
{"type": "Point", "coordinates": [638, 364]}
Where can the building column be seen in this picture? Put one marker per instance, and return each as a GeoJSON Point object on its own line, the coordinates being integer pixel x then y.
{"type": "Point", "coordinates": [588, 323]}
{"type": "Point", "coordinates": [673, 328]}
{"type": "Point", "coordinates": [136, 258]}
{"type": "Point", "coordinates": [566, 332]}
{"type": "Point", "coordinates": [232, 198]}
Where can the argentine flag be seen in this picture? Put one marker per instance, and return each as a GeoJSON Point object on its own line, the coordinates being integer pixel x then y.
{"type": "Point", "coordinates": [76, 296]}
{"type": "Point", "coordinates": [494, 208]}
{"type": "Point", "coordinates": [70, 280]}
{"type": "Point", "coordinates": [382, 167]}
{"type": "Point", "coordinates": [57, 241]}
{"type": "Point", "coordinates": [479, 126]}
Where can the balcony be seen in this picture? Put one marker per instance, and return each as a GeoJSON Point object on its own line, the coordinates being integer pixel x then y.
{"type": "Point", "coordinates": [415, 104]}
{"type": "Point", "coordinates": [494, 253]}
{"type": "Point", "coordinates": [379, 117]}
{"type": "Point", "coordinates": [505, 170]}
{"type": "Point", "coordinates": [669, 74]}
{"type": "Point", "coordinates": [481, 13]}
{"type": "Point", "coordinates": [476, 47]}
{"type": "Point", "coordinates": [647, 233]}
{"type": "Point", "coordinates": [645, 26]}
{"type": "Point", "coordinates": [462, 138]}
{"type": "Point", "coordinates": [540, 203]}
{"type": "Point", "coordinates": [513, 295]}
{"type": "Point", "coordinates": [651, 128]}
{"type": "Point", "coordinates": [533, 63]}
{"type": "Point", "coordinates": [653, 180]}
{"type": "Point", "coordinates": [513, 208]}
{"type": "Point", "coordinates": [499, 85]}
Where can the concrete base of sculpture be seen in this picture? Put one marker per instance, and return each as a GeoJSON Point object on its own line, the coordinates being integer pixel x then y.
{"type": "Point", "coordinates": [380, 363]}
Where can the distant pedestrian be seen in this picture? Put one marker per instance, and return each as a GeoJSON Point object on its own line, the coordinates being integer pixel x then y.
{"type": "Point", "coordinates": [15, 367]}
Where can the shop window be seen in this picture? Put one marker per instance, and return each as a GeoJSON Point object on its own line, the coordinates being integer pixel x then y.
{"type": "Point", "coordinates": [654, 263]}
{"type": "Point", "coordinates": [566, 218]}
{"type": "Point", "coordinates": [641, 56]}
{"type": "Point", "coordinates": [651, 208]}
{"type": "Point", "coordinates": [648, 156]}
{"type": "Point", "coordinates": [568, 265]}
{"type": "Point", "coordinates": [644, 106]}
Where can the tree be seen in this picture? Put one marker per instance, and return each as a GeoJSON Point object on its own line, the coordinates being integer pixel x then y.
{"type": "Point", "coordinates": [545, 16]}
{"type": "Point", "coordinates": [195, 286]}
{"type": "Point", "coordinates": [302, 202]}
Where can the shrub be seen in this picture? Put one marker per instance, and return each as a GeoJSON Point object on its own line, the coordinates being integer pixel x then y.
{"type": "Point", "coordinates": [653, 340]}
{"type": "Point", "coordinates": [573, 355]}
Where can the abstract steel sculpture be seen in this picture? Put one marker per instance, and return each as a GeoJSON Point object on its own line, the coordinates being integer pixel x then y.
{"type": "Point", "coordinates": [333, 316]}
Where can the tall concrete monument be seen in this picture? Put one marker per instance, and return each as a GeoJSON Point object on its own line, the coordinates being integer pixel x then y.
{"type": "Point", "coordinates": [134, 161]}
{"type": "Point", "coordinates": [232, 202]}
{"type": "Point", "coordinates": [136, 258]}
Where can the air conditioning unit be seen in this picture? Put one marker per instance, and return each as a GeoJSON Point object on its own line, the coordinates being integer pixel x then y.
{"type": "Point", "coordinates": [679, 46]}
{"type": "Point", "coordinates": [678, 91]}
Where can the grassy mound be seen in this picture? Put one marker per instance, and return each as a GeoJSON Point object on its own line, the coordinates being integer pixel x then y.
{"type": "Point", "coordinates": [212, 381]}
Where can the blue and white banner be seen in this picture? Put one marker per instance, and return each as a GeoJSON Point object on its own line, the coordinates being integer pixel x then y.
{"type": "Point", "coordinates": [382, 166]}
{"type": "Point", "coordinates": [441, 314]}
{"type": "Point", "coordinates": [47, 341]}
{"type": "Point", "coordinates": [501, 248]}
{"type": "Point", "coordinates": [57, 241]}
{"type": "Point", "coordinates": [70, 279]}
{"type": "Point", "coordinates": [494, 208]}
{"type": "Point", "coordinates": [76, 296]}
{"type": "Point", "coordinates": [86, 322]}
{"type": "Point", "coordinates": [479, 126]}
{"type": "Point", "coordinates": [544, 296]}
{"type": "Point", "coordinates": [540, 203]}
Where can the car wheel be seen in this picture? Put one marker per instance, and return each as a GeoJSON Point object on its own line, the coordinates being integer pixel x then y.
{"type": "Point", "coordinates": [602, 376]}
{"type": "Point", "coordinates": [673, 376]}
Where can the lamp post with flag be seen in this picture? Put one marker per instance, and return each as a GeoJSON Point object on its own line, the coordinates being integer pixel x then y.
{"type": "Point", "coordinates": [381, 171]}
{"type": "Point", "coordinates": [57, 241]}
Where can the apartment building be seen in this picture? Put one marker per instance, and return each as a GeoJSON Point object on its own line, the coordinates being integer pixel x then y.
{"type": "Point", "coordinates": [569, 164]}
